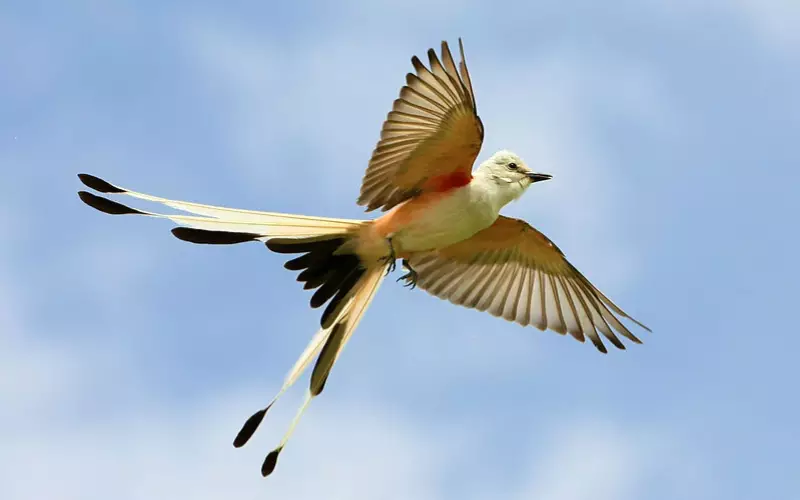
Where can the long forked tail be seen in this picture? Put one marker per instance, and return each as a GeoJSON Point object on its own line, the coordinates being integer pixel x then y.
{"type": "Point", "coordinates": [340, 278]}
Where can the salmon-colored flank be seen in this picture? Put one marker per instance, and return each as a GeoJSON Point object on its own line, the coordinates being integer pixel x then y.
{"type": "Point", "coordinates": [403, 214]}
{"type": "Point", "coordinates": [433, 190]}
{"type": "Point", "coordinates": [398, 217]}
{"type": "Point", "coordinates": [448, 181]}
{"type": "Point", "coordinates": [372, 240]}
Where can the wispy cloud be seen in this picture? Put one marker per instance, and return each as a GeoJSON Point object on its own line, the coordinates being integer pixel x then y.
{"type": "Point", "coordinates": [598, 460]}
{"type": "Point", "coordinates": [776, 21]}
{"type": "Point", "coordinates": [350, 448]}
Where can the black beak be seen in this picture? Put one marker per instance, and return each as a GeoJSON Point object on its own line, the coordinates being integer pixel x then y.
{"type": "Point", "coordinates": [534, 177]}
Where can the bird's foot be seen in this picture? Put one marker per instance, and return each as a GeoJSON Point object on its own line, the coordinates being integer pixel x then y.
{"type": "Point", "coordinates": [390, 259]}
{"type": "Point", "coordinates": [410, 277]}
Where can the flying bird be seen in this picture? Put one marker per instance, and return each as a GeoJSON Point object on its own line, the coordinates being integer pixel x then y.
{"type": "Point", "coordinates": [441, 219]}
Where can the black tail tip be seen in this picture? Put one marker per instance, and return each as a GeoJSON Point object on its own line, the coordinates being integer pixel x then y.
{"type": "Point", "coordinates": [249, 428]}
{"type": "Point", "coordinates": [270, 462]}
{"type": "Point", "coordinates": [210, 237]}
{"type": "Point", "coordinates": [99, 184]}
{"type": "Point", "coordinates": [107, 206]}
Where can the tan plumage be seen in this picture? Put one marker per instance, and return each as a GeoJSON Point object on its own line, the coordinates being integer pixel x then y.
{"type": "Point", "coordinates": [512, 270]}
{"type": "Point", "coordinates": [442, 218]}
{"type": "Point", "coordinates": [213, 218]}
{"type": "Point", "coordinates": [432, 131]}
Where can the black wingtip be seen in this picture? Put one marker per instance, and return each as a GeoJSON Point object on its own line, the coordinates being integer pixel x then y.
{"type": "Point", "coordinates": [107, 206]}
{"type": "Point", "coordinates": [250, 427]}
{"type": "Point", "coordinates": [99, 184]}
{"type": "Point", "coordinates": [270, 462]}
{"type": "Point", "coordinates": [207, 237]}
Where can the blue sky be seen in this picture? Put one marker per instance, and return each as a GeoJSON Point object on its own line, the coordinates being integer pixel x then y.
{"type": "Point", "coordinates": [129, 359]}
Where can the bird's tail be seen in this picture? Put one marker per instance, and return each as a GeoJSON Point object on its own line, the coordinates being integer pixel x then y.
{"type": "Point", "coordinates": [327, 264]}
{"type": "Point", "coordinates": [350, 286]}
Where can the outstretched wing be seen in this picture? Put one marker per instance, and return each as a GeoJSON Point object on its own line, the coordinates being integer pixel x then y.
{"type": "Point", "coordinates": [431, 137]}
{"type": "Point", "coordinates": [512, 270]}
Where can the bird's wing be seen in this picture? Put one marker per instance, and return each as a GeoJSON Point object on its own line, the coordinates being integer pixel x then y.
{"type": "Point", "coordinates": [512, 270]}
{"type": "Point", "coordinates": [431, 137]}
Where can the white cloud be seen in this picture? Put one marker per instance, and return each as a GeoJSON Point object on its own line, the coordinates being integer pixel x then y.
{"type": "Point", "coordinates": [589, 463]}
{"type": "Point", "coordinates": [186, 453]}
{"type": "Point", "coordinates": [346, 449]}
{"type": "Point", "coordinates": [777, 21]}
{"type": "Point", "coordinates": [42, 371]}
{"type": "Point", "coordinates": [32, 371]}
{"type": "Point", "coordinates": [597, 460]}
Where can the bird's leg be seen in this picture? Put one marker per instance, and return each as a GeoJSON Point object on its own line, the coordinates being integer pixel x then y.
{"type": "Point", "coordinates": [390, 259]}
{"type": "Point", "coordinates": [410, 277]}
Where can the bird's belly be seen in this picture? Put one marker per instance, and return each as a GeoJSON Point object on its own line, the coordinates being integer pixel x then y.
{"type": "Point", "coordinates": [447, 221]}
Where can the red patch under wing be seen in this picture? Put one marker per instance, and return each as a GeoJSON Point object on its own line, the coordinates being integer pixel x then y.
{"type": "Point", "coordinates": [447, 182]}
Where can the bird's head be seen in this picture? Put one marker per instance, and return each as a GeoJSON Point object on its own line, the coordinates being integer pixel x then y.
{"type": "Point", "coordinates": [509, 175]}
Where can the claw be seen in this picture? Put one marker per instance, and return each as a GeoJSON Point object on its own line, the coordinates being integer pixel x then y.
{"type": "Point", "coordinates": [390, 259]}
{"type": "Point", "coordinates": [410, 277]}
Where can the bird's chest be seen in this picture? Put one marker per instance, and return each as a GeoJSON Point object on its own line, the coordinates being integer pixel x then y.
{"type": "Point", "coordinates": [442, 220]}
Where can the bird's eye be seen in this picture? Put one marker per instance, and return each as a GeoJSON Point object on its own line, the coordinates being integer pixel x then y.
{"type": "Point", "coordinates": [512, 166]}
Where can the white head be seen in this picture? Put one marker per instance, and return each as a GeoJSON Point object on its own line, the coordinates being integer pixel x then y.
{"type": "Point", "coordinates": [507, 176]}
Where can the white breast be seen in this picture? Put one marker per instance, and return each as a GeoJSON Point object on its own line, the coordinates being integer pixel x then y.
{"type": "Point", "coordinates": [450, 220]}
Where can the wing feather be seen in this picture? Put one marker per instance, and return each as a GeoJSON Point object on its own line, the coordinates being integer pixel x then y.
{"type": "Point", "coordinates": [570, 312]}
{"type": "Point", "coordinates": [433, 130]}
{"type": "Point", "coordinates": [513, 271]}
{"type": "Point", "coordinates": [559, 325]}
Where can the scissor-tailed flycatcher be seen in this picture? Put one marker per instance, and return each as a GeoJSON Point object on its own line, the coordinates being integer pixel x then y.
{"type": "Point", "coordinates": [441, 218]}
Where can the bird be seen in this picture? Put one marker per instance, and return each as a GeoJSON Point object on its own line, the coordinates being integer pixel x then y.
{"type": "Point", "coordinates": [439, 216]}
